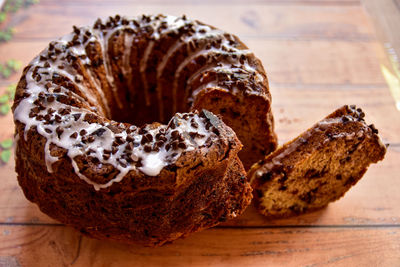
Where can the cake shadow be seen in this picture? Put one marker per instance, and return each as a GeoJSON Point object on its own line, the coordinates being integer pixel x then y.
{"type": "Point", "coordinates": [230, 243]}
{"type": "Point", "coordinates": [252, 218]}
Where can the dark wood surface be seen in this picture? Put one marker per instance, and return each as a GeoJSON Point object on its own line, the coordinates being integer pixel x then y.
{"type": "Point", "coordinates": [318, 55]}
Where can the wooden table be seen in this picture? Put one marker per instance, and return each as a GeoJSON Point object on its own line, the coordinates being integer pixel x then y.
{"type": "Point", "coordinates": [319, 55]}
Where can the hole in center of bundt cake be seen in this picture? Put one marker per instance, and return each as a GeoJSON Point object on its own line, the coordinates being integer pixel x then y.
{"type": "Point", "coordinates": [135, 109]}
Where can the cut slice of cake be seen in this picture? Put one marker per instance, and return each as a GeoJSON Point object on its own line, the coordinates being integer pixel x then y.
{"type": "Point", "coordinates": [318, 166]}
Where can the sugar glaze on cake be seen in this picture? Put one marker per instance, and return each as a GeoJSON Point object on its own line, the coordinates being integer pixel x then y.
{"type": "Point", "coordinates": [80, 156]}
{"type": "Point", "coordinates": [58, 122]}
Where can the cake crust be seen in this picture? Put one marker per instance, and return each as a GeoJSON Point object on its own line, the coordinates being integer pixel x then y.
{"type": "Point", "coordinates": [317, 167]}
{"type": "Point", "coordinates": [89, 152]}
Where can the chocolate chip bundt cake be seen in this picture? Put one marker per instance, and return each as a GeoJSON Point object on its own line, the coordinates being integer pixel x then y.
{"type": "Point", "coordinates": [81, 158]}
{"type": "Point", "coordinates": [317, 167]}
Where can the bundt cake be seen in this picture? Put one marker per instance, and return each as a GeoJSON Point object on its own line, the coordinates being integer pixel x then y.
{"type": "Point", "coordinates": [317, 167]}
{"type": "Point", "coordinates": [81, 158]}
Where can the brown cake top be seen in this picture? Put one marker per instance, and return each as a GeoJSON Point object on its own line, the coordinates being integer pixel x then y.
{"type": "Point", "coordinates": [78, 120]}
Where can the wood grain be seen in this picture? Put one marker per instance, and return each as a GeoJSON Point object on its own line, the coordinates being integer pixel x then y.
{"type": "Point", "coordinates": [223, 247]}
{"type": "Point", "coordinates": [211, 2]}
{"type": "Point", "coordinates": [52, 20]}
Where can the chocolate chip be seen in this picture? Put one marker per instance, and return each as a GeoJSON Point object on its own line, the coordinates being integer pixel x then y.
{"type": "Point", "coordinates": [59, 131]}
{"type": "Point", "coordinates": [57, 118]}
{"type": "Point", "coordinates": [159, 143]}
{"type": "Point", "coordinates": [374, 130]}
{"type": "Point", "coordinates": [47, 119]}
{"type": "Point", "coordinates": [64, 111]}
{"type": "Point", "coordinates": [35, 109]}
{"type": "Point", "coordinates": [147, 148]}
{"type": "Point", "coordinates": [39, 117]}
{"type": "Point", "coordinates": [215, 130]}
{"type": "Point", "coordinates": [139, 163]}
{"type": "Point", "coordinates": [175, 144]}
{"type": "Point", "coordinates": [171, 125]}
{"type": "Point", "coordinates": [149, 137]}
{"type": "Point", "coordinates": [76, 116]}
{"type": "Point", "coordinates": [208, 125]}
{"type": "Point", "coordinates": [194, 124]}
{"type": "Point", "coordinates": [129, 147]}
{"type": "Point", "coordinates": [76, 29]}
{"type": "Point", "coordinates": [144, 140]}
{"type": "Point", "coordinates": [175, 134]}
{"type": "Point", "coordinates": [82, 132]}
{"type": "Point", "coordinates": [119, 140]}
{"type": "Point", "coordinates": [182, 145]}
{"type": "Point", "coordinates": [142, 130]}
{"type": "Point", "coordinates": [51, 98]}
{"type": "Point", "coordinates": [99, 132]}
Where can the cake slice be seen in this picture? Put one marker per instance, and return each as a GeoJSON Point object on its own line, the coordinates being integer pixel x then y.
{"type": "Point", "coordinates": [317, 167]}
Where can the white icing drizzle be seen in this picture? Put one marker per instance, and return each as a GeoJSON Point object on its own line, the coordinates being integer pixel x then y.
{"type": "Point", "coordinates": [142, 66]}
{"type": "Point", "coordinates": [126, 56]}
{"type": "Point", "coordinates": [109, 77]}
{"type": "Point", "coordinates": [79, 50]}
{"type": "Point", "coordinates": [62, 127]}
{"type": "Point", "coordinates": [222, 67]}
{"type": "Point", "coordinates": [225, 46]}
{"type": "Point", "coordinates": [202, 32]}
{"type": "Point", "coordinates": [152, 162]}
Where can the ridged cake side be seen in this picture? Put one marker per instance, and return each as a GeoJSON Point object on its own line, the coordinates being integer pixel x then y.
{"type": "Point", "coordinates": [86, 168]}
